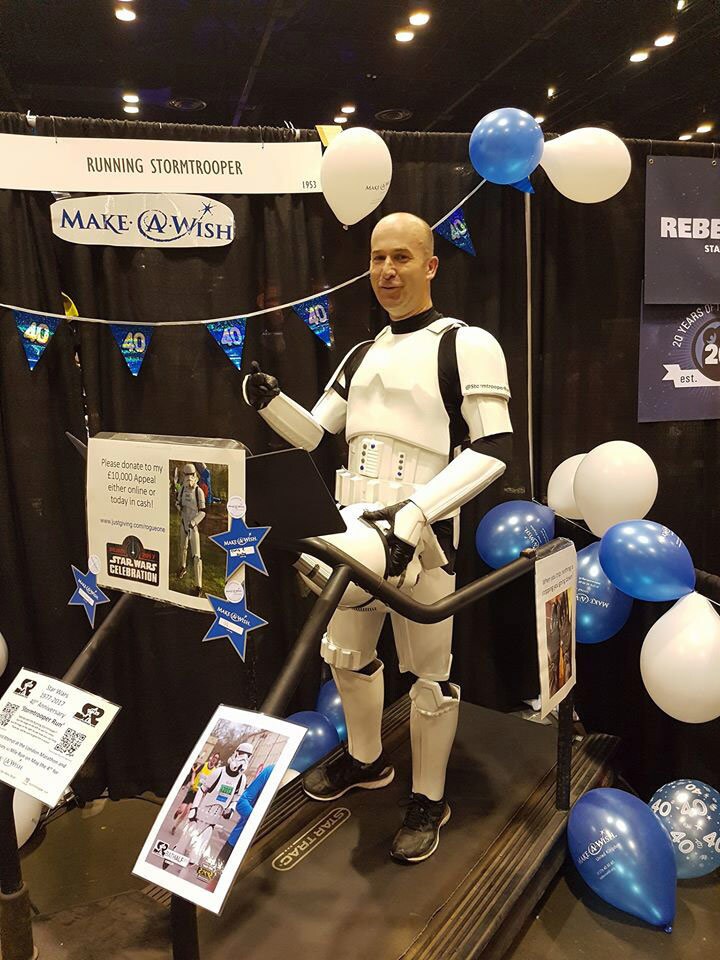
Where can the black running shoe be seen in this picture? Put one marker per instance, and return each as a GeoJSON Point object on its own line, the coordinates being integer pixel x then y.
{"type": "Point", "coordinates": [418, 837]}
{"type": "Point", "coordinates": [331, 780]}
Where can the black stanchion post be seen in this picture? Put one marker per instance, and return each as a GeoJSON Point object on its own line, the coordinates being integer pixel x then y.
{"type": "Point", "coordinates": [564, 752]}
{"type": "Point", "coordinates": [16, 936]}
{"type": "Point", "coordinates": [184, 929]}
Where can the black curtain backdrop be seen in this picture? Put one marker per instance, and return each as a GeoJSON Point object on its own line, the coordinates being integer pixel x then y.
{"type": "Point", "coordinates": [587, 269]}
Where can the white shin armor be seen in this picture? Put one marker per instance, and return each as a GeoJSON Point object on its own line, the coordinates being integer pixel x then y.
{"type": "Point", "coordinates": [433, 722]}
{"type": "Point", "coordinates": [362, 698]}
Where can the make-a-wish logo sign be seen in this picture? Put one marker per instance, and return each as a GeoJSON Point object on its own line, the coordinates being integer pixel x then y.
{"type": "Point", "coordinates": [144, 220]}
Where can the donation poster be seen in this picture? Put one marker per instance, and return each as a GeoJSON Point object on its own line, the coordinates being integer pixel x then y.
{"type": "Point", "coordinates": [216, 805]}
{"type": "Point", "coordinates": [682, 230]}
{"type": "Point", "coordinates": [555, 602]}
{"type": "Point", "coordinates": [153, 504]}
{"type": "Point", "coordinates": [679, 374]}
{"type": "Point", "coordinates": [48, 729]}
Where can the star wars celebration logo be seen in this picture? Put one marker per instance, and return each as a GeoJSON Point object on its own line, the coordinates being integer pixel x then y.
{"type": "Point", "coordinates": [144, 220]}
{"type": "Point", "coordinates": [130, 560]}
{"type": "Point", "coordinates": [697, 340]}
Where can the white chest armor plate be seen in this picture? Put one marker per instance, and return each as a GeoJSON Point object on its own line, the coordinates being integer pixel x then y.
{"type": "Point", "coordinates": [395, 390]}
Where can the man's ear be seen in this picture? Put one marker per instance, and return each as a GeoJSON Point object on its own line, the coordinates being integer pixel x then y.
{"type": "Point", "coordinates": [432, 267]}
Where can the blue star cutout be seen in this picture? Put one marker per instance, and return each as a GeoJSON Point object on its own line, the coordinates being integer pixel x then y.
{"type": "Point", "coordinates": [241, 544]}
{"type": "Point", "coordinates": [206, 208]}
{"type": "Point", "coordinates": [234, 621]}
{"type": "Point", "coordinates": [87, 593]}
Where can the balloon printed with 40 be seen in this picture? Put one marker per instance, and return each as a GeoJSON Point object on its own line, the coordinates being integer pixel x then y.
{"type": "Point", "coordinates": [689, 810]}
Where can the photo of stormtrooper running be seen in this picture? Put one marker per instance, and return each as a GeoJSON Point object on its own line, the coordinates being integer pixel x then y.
{"type": "Point", "coordinates": [205, 818]}
{"type": "Point", "coordinates": [198, 499]}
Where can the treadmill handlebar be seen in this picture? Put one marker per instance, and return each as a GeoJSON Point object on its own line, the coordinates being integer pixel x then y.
{"type": "Point", "coordinates": [403, 603]}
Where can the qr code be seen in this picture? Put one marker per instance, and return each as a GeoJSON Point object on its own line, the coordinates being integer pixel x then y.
{"type": "Point", "coordinates": [7, 712]}
{"type": "Point", "coordinates": [71, 740]}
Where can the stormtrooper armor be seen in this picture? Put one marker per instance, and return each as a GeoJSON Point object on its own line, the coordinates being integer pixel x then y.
{"type": "Point", "coordinates": [191, 507]}
{"type": "Point", "coordinates": [406, 400]}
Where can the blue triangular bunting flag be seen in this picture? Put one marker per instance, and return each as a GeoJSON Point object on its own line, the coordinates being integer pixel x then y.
{"type": "Point", "coordinates": [36, 331]}
{"type": "Point", "coordinates": [316, 314]}
{"type": "Point", "coordinates": [133, 343]}
{"type": "Point", "coordinates": [230, 335]}
{"type": "Point", "coordinates": [524, 185]}
{"type": "Point", "coordinates": [454, 229]}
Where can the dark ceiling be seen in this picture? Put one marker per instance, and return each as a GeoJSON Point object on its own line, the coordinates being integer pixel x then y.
{"type": "Point", "coordinates": [270, 61]}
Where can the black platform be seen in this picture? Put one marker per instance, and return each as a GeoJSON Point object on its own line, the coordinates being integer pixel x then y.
{"type": "Point", "coordinates": [318, 884]}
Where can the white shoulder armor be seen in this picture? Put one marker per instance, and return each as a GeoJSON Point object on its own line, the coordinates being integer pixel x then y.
{"type": "Point", "coordinates": [481, 364]}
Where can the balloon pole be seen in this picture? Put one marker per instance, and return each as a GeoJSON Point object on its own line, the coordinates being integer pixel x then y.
{"type": "Point", "coordinates": [564, 752]}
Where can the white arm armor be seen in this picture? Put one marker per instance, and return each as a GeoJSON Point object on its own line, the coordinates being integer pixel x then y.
{"type": "Point", "coordinates": [484, 385]}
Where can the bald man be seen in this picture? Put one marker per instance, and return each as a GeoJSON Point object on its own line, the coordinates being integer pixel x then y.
{"type": "Point", "coordinates": [408, 400]}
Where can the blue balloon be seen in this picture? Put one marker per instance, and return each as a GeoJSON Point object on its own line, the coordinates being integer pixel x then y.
{"type": "Point", "coordinates": [602, 609]}
{"type": "Point", "coordinates": [320, 739]}
{"type": "Point", "coordinates": [506, 145]}
{"type": "Point", "coordinates": [621, 850]}
{"type": "Point", "coordinates": [689, 810]}
{"type": "Point", "coordinates": [330, 706]}
{"type": "Point", "coordinates": [647, 561]}
{"type": "Point", "coordinates": [509, 528]}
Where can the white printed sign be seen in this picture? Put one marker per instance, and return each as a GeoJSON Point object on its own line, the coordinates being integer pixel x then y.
{"type": "Point", "coordinates": [153, 505]}
{"type": "Point", "coordinates": [216, 805]}
{"type": "Point", "coordinates": [555, 610]}
{"type": "Point", "coordinates": [92, 165]}
{"type": "Point", "coordinates": [48, 729]}
{"type": "Point", "coordinates": [144, 220]}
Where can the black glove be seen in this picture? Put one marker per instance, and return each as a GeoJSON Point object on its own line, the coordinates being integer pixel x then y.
{"type": "Point", "coordinates": [400, 552]}
{"type": "Point", "coordinates": [260, 388]}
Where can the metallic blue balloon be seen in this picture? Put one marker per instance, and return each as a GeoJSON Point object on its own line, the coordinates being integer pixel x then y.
{"type": "Point", "coordinates": [509, 528]}
{"type": "Point", "coordinates": [621, 850]}
{"type": "Point", "coordinates": [647, 561]}
{"type": "Point", "coordinates": [320, 739]}
{"type": "Point", "coordinates": [689, 810]}
{"type": "Point", "coordinates": [330, 706]}
{"type": "Point", "coordinates": [602, 609]}
{"type": "Point", "coordinates": [506, 145]}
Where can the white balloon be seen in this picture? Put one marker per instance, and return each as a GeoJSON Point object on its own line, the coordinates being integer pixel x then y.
{"type": "Point", "coordinates": [27, 811]}
{"type": "Point", "coordinates": [615, 481]}
{"type": "Point", "coordinates": [680, 661]}
{"type": "Point", "coordinates": [560, 495]}
{"type": "Point", "coordinates": [587, 165]}
{"type": "Point", "coordinates": [355, 173]}
{"type": "Point", "coordinates": [3, 655]}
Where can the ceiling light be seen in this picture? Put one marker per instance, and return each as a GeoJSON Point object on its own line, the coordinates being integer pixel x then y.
{"type": "Point", "coordinates": [539, 119]}
{"type": "Point", "coordinates": [685, 136]}
{"type": "Point", "coordinates": [681, 4]}
{"type": "Point", "coordinates": [665, 40]}
{"type": "Point", "coordinates": [419, 18]}
{"type": "Point", "coordinates": [551, 92]}
{"type": "Point", "coordinates": [131, 98]}
{"type": "Point", "coordinates": [122, 13]}
{"type": "Point", "coordinates": [639, 56]}
{"type": "Point", "coordinates": [404, 36]}
{"type": "Point", "coordinates": [340, 119]}
{"type": "Point", "coordinates": [130, 108]}
{"type": "Point", "coordinates": [705, 128]}
{"type": "Point", "coordinates": [348, 108]}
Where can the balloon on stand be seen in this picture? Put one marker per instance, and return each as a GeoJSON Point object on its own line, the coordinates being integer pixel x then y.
{"type": "Point", "coordinates": [320, 739]}
{"type": "Point", "coordinates": [615, 481]}
{"type": "Point", "coordinates": [647, 561]}
{"type": "Point", "coordinates": [3, 655]}
{"type": "Point", "coordinates": [689, 810]}
{"type": "Point", "coordinates": [680, 661]}
{"type": "Point", "coordinates": [560, 493]}
{"type": "Point", "coordinates": [27, 812]}
{"type": "Point", "coordinates": [506, 146]}
{"type": "Point", "coordinates": [588, 165]}
{"type": "Point", "coordinates": [622, 852]}
{"type": "Point", "coordinates": [602, 609]}
{"type": "Point", "coordinates": [330, 706]}
{"type": "Point", "coordinates": [355, 174]}
{"type": "Point", "coordinates": [509, 528]}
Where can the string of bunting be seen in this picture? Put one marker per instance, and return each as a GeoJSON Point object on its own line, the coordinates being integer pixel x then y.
{"type": "Point", "coordinates": [37, 328]}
